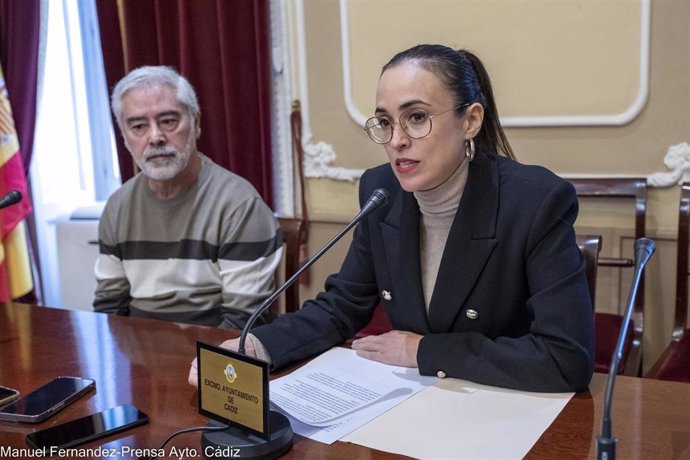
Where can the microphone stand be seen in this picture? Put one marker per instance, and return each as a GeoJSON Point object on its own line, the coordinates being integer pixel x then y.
{"type": "Point", "coordinates": [606, 443]}
{"type": "Point", "coordinates": [226, 443]}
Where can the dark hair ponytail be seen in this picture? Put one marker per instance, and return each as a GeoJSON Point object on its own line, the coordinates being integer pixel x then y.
{"type": "Point", "coordinates": [464, 75]}
{"type": "Point", "coordinates": [491, 133]}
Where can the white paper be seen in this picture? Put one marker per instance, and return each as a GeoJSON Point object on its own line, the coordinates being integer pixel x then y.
{"type": "Point", "coordinates": [456, 419]}
{"type": "Point", "coordinates": [338, 391]}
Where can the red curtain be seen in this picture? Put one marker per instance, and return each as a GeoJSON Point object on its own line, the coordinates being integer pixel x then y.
{"type": "Point", "coordinates": [223, 48]}
{"type": "Point", "coordinates": [19, 29]}
{"type": "Point", "coordinates": [19, 39]}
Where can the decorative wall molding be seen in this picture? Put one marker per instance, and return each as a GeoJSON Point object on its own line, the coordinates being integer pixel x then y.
{"type": "Point", "coordinates": [677, 159]}
{"type": "Point", "coordinates": [318, 159]}
{"type": "Point", "coordinates": [527, 121]}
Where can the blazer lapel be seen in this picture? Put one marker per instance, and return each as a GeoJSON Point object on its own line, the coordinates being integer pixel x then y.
{"type": "Point", "coordinates": [470, 243]}
{"type": "Point", "coordinates": [400, 233]}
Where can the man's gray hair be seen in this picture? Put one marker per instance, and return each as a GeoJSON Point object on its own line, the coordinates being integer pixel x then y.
{"type": "Point", "coordinates": [153, 76]}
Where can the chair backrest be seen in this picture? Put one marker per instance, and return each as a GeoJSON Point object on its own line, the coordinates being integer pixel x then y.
{"type": "Point", "coordinates": [619, 187]}
{"type": "Point", "coordinates": [590, 246]}
{"type": "Point", "coordinates": [681, 314]}
{"type": "Point", "coordinates": [674, 360]}
{"type": "Point", "coordinates": [292, 230]}
{"type": "Point", "coordinates": [634, 188]}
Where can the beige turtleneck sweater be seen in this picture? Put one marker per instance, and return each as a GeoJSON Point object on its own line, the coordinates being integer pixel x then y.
{"type": "Point", "coordinates": [438, 207]}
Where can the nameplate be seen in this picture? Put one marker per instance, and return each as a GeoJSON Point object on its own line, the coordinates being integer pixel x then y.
{"type": "Point", "coordinates": [233, 388]}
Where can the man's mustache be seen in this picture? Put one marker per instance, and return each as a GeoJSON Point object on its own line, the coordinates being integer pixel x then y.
{"type": "Point", "coordinates": [149, 153]}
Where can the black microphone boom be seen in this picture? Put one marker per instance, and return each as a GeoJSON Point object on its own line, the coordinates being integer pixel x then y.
{"type": "Point", "coordinates": [11, 198]}
{"type": "Point", "coordinates": [606, 444]}
{"type": "Point", "coordinates": [279, 433]}
{"type": "Point", "coordinates": [376, 200]}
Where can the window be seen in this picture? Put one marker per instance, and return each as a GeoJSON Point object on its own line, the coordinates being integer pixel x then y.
{"type": "Point", "coordinates": [74, 163]}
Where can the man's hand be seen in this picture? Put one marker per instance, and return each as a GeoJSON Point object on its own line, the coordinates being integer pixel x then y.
{"type": "Point", "coordinates": [233, 345]}
{"type": "Point", "coordinates": [397, 348]}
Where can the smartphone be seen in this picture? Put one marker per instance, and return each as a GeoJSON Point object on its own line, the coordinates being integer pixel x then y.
{"type": "Point", "coordinates": [46, 400]}
{"type": "Point", "coordinates": [89, 428]}
{"type": "Point", "coordinates": [7, 395]}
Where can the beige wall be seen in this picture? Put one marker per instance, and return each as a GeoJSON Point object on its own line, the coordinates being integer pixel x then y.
{"type": "Point", "coordinates": [599, 51]}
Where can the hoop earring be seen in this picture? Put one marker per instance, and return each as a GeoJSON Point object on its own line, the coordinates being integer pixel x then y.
{"type": "Point", "coordinates": [469, 149]}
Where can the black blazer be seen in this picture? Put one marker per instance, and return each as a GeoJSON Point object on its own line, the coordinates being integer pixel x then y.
{"type": "Point", "coordinates": [510, 307]}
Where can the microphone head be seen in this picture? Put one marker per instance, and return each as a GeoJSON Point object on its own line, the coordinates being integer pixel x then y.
{"type": "Point", "coordinates": [380, 197]}
{"type": "Point", "coordinates": [644, 248]}
{"type": "Point", "coordinates": [646, 244]}
{"type": "Point", "coordinates": [377, 199]}
{"type": "Point", "coordinates": [14, 196]}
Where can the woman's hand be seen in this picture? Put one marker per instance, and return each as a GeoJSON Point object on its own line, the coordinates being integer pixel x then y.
{"type": "Point", "coordinates": [397, 348]}
{"type": "Point", "coordinates": [233, 345]}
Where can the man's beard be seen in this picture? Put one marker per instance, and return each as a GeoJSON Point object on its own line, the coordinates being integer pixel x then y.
{"type": "Point", "coordinates": [170, 162]}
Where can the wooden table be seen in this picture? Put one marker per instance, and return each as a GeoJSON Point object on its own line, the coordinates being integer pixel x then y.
{"type": "Point", "coordinates": [146, 362]}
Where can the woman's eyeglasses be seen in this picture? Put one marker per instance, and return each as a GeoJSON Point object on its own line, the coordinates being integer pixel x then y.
{"type": "Point", "coordinates": [415, 122]}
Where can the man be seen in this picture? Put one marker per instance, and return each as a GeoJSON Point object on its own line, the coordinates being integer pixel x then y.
{"type": "Point", "coordinates": [184, 240]}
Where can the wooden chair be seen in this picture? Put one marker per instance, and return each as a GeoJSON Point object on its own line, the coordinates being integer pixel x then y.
{"type": "Point", "coordinates": [295, 230]}
{"type": "Point", "coordinates": [590, 246]}
{"type": "Point", "coordinates": [292, 230]}
{"type": "Point", "coordinates": [674, 363]}
{"type": "Point", "coordinates": [607, 325]}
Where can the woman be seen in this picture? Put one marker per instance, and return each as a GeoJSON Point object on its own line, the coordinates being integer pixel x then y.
{"type": "Point", "coordinates": [474, 258]}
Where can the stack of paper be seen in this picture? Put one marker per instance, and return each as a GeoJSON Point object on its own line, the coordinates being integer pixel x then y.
{"type": "Point", "coordinates": [339, 396]}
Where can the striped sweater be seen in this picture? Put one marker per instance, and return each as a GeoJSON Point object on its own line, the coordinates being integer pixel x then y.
{"type": "Point", "coordinates": [206, 256]}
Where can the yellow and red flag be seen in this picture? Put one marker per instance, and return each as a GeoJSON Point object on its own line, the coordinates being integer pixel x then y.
{"type": "Point", "coordinates": [15, 268]}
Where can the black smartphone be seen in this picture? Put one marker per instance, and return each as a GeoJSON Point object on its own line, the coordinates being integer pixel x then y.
{"type": "Point", "coordinates": [46, 400]}
{"type": "Point", "coordinates": [7, 395]}
{"type": "Point", "coordinates": [87, 429]}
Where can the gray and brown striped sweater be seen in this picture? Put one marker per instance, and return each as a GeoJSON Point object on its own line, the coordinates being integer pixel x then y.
{"type": "Point", "coordinates": [206, 256]}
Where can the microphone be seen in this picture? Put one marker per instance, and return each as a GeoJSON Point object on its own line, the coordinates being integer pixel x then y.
{"type": "Point", "coordinates": [377, 199]}
{"type": "Point", "coordinates": [12, 197]}
{"type": "Point", "coordinates": [279, 433]}
{"type": "Point", "coordinates": [606, 444]}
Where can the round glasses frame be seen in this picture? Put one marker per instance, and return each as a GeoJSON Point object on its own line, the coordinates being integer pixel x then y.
{"type": "Point", "coordinates": [373, 125]}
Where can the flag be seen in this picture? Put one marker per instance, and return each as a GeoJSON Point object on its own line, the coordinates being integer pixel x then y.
{"type": "Point", "coordinates": [15, 269]}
